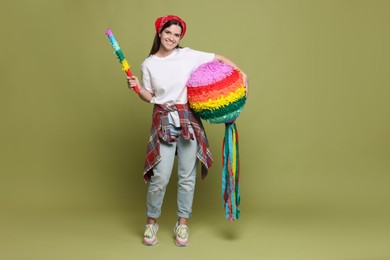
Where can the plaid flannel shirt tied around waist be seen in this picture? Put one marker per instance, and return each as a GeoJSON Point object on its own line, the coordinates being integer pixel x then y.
{"type": "Point", "coordinates": [159, 131]}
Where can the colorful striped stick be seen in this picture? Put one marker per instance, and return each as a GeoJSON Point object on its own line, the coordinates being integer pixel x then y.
{"type": "Point", "coordinates": [121, 57]}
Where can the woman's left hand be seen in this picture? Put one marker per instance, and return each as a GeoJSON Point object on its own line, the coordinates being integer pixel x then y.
{"type": "Point", "coordinates": [229, 62]}
{"type": "Point", "coordinates": [245, 80]}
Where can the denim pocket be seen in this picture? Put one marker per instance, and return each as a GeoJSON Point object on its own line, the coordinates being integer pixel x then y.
{"type": "Point", "coordinates": [174, 132]}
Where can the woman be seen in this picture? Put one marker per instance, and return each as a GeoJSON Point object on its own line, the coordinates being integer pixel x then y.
{"type": "Point", "coordinates": [175, 129]}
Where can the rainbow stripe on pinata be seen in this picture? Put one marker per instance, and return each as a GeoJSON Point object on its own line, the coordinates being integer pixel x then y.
{"type": "Point", "coordinates": [216, 92]}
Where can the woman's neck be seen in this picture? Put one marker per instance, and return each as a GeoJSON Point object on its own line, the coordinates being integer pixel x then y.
{"type": "Point", "coordinates": [163, 53]}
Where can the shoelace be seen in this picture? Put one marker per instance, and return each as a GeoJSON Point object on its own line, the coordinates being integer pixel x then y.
{"type": "Point", "coordinates": [150, 230]}
{"type": "Point", "coordinates": [182, 231]}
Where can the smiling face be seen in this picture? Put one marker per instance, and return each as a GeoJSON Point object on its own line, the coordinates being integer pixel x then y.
{"type": "Point", "coordinates": [170, 38]}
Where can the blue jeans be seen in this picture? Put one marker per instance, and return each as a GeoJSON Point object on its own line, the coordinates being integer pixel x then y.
{"type": "Point", "coordinates": [187, 165]}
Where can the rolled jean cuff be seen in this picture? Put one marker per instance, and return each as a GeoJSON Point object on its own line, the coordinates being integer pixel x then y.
{"type": "Point", "coordinates": [151, 215]}
{"type": "Point", "coordinates": [182, 215]}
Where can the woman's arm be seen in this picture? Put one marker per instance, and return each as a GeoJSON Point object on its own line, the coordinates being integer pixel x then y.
{"type": "Point", "coordinates": [143, 93]}
{"type": "Point", "coordinates": [231, 63]}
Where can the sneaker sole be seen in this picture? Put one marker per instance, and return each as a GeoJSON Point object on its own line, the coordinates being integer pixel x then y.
{"type": "Point", "coordinates": [152, 243]}
{"type": "Point", "coordinates": [181, 245]}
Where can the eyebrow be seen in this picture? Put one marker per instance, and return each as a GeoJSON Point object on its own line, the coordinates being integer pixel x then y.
{"type": "Point", "coordinates": [167, 30]}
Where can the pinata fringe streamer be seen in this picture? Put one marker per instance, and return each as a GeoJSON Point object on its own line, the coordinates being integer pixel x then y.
{"type": "Point", "coordinates": [231, 172]}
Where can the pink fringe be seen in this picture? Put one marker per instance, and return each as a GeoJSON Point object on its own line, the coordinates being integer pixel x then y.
{"type": "Point", "coordinates": [209, 73]}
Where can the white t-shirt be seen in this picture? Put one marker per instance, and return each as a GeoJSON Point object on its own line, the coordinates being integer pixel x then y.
{"type": "Point", "coordinates": [167, 77]}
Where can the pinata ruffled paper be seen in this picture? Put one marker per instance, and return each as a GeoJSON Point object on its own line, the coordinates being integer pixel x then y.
{"type": "Point", "coordinates": [216, 93]}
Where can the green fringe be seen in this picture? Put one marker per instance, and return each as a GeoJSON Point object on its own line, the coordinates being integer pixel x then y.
{"type": "Point", "coordinates": [120, 55]}
{"type": "Point", "coordinates": [216, 113]}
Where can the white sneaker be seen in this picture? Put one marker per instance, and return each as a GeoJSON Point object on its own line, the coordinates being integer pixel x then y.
{"type": "Point", "coordinates": [182, 233]}
{"type": "Point", "coordinates": [150, 235]}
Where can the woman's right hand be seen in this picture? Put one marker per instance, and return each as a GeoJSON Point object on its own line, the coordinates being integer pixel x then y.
{"type": "Point", "coordinates": [132, 82]}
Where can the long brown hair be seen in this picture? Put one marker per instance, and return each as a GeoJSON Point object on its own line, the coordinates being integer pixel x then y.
{"type": "Point", "coordinates": [157, 39]}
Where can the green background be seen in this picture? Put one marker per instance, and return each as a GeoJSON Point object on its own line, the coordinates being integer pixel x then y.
{"type": "Point", "coordinates": [314, 135]}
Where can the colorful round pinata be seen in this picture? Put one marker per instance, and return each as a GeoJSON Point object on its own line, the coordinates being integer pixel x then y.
{"type": "Point", "coordinates": [217, 94]}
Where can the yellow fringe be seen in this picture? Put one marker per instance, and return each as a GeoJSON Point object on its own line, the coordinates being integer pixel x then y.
{"type": "Point", "coordinates": [125, 65]}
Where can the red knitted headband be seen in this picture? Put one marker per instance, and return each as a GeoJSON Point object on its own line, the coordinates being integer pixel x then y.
{"type": "Point", "coordinates": [159, 23]}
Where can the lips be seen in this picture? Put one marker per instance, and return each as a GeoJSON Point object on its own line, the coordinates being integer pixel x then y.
{"type": "Point", "coordinates": [169, 44]}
